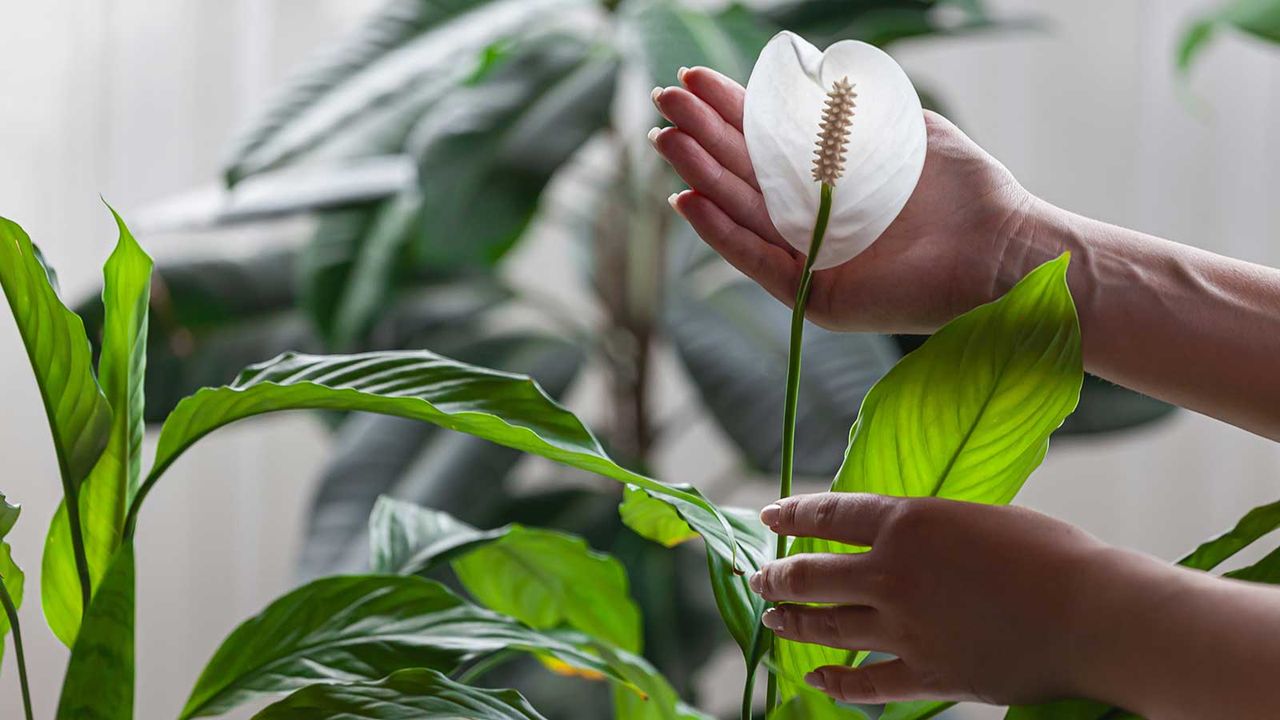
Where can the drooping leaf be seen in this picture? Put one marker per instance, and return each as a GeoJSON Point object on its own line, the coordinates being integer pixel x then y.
{"type": "Point", "coordinates": [734, 344]}
{"type": "Point", "coordinates": [79, 416]}
{"type": "Point", "coordinates": [504, 408]}
{"type": "Point", "coordinates": [421, 463]}
{"type": "Point", "coordinates": [545, 578]}
{"type": "Point", "coordinates": [405, 539]}
{"type": "Point", "coordinates": [363, 627]}
{"type": "Point", "coordinates": [1260, 18]}
{"type": "Point", "coordinates": [485, 156]}
{"type": "Point", "coordinates": [1257, 523]}
{"type": "Point", "coordinates": [99, 684]}
{"type": "Point", "coordinates": [967, 416]}
{"type": "Point", "coordinates": [404, 695]}
{"type": "Point", "coordinates": [402, 51]}
{"type": "Point", "coordinates": [653, 519]}
{"type": "Point", "coordinates": [105, 492]}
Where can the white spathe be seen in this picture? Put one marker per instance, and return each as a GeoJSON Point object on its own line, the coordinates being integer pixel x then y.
{"type": "Point", "coordinates": [884, 157]}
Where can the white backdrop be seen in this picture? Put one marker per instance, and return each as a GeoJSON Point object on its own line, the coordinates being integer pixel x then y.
{"type": "Point", "coordinates": [135, 99]}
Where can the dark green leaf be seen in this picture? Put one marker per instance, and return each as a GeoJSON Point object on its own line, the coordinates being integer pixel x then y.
{"type": "Point", "coordinates": [404, 695]}
{"type": "Point", "coordinates": [1063, 710]}
{"type": "Point", "coordinates": [1257, 523]}
{"type": "Point", "coordinates": [12, 578]}
{"type": "Point", "coordinates": [882, 22]}
{"type": "Point", "coordinates": [1266, 570]}
{"type": "Point", "coordinates": [351, 628]}
{"type": "Point", "coordinates": [100, 675]}
{"type": "Point", "coordinates": [735, 344]}
{"type": "Point", "coordinates": [58, 349]}
{"type": "Point", "coordinates": [362, 85]}
{"type": "Point", "coordinates": [967, 416]}
{"type": "Point", "coordinates": [405, 539]}
{"type": "Point", "coordinates": [669, 34]}
{"type": "Point", "coordinates": [508, 409]}
{"type": "Point", "coordinates": [105, 492]}
{"type": "Point", "coordinates": [486, 155]}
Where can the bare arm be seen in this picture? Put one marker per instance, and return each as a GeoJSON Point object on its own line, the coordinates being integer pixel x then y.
{"type": "Point", "coordinates": [1177, 323]}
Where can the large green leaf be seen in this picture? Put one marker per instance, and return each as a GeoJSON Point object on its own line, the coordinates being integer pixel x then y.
{"type": "Point", "coordinates": [105, 492]}
{"type": "Point", "coordinates": [99, 683]}
{"type": "Point", "coordinates": [364, 627]}
{"type": "Point", "coordinates": [486, 155]}
{"type": "Point", "coordinates": [1260, 18]}
{"type": "Point", "coordinates": [881, 22]}
{"type": "Point", "coordinates": [814, 706]}
{"type": "Point", "coordinates": [12, 578]}
{"type": "Point", "coordinates": [542, 578]}
{"type": "Point", "coordinates": [404, 695]}
{"type": "Point", "coordinates": [362, 84]}
{"type": "Point", "coordinates": [666, 34]}
{"type": "Point", "coordinates": [734, 344]}
{"type": "Point", "coordinates": [78, 413]}
{"type": "Point", "coordinates": [504, 408]}
{"type": "Point", "coordinates": [967, 416]}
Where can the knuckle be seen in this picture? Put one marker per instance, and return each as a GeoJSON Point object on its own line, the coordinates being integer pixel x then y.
{"type": "Point", "coordinates": [826, 511]}
{"type": "Point", "coordinates": [908, 519]}
{"type": "Point", "coordinates": [795, 578]}
{"type": "Point", "coordinates": [858, 686]}
{"type": "Point", "coordinates": [787, 516]}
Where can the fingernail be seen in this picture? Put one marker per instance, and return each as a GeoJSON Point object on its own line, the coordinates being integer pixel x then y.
{"type": "Point", "coordinates": [769, 515]}
{"type": "Point", "coordinates": [815, 679]}
{"type": "Point", "coordinates": [772, 619]}
{"type": "Point", "coordinates": [653, 136]}
{"type": "Point", "coordinates": [657, 93]}
{"type": "Point", "coordinates": [680, 73]}
{"type": "Point", "coordinates": [674, 201]}
{"type": "Point", "coordinates": [756, 582]}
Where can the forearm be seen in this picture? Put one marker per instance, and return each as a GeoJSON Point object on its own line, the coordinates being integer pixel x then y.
{"type": "Point", "coordinates": [1170, 643]}
{"type": "Point", "coordinates": [1175, 322]}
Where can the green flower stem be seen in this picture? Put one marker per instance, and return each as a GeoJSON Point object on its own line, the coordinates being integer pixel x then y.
{"type": "Point", "coordinates": [71, 499]}
{"type": "Point", "coordinates": [21, 659]}
{"type": "Point", "coordinates": [793, 390]}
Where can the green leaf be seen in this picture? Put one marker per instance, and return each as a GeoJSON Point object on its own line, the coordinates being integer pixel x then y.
{"type": "Point", "coordinates": [735, 343]}
{"type": "Point", "coordinates": [99, 683]}
{"type": "Point", "coordinates": [12, 578]}
{"type": "Point", "coordinates": [654, 519]}
{"type": "Point", "coordinates": [545, 578]}
{"type": "Point", "coordinates": [486, 155]}
{"type": "Point", "coordinates": [363, 627]}
{"type": "Point", "coordinates": [1266, 570]}
{"type": "Point", "coordinates": [967, 416]}
{"type": "Point", "coordinates": [668, 34]}
{"type": "Point", "coordinates": [1260, 18]}
{"type": "Point", "coordinates": [1257, 523]}
{"type": "Point", "coordinates": [405, 539]}
{"type": "Point", "coordinates": [105, 492]}
{"type": "Point", "coordinates": [507, 409]}
{"type": "Point", "coordinates": [882, 22]}
{"type": "Point", "coordinates": [404, 695]}
{"type": "Point", "coordinates": [369, 83]}
{"type": "Point", "coordinates": [1063, 710]}
{"type": "Point", "coordinates": [815, 706]}
{"type": "Point", "coordinates": [916, 710]}
{"type": "Point", "coordinates": [79, 416]}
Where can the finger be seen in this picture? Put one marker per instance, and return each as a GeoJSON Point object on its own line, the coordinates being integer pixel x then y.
{"type": "Point", "coordinates": [696, 118]}
{"type": "Point", "coordinates": [873, 684]}
{"type": "Point", "coordinates": [775, 269]}
{"type": "Point", "coordinates": [706, 175]}
{"type": "Point", "coordinates": [848, 627]}
{"type": "Point", "coordinates": [722, 93]}
{"type": "Point", "coordinates": [818, 578]}
{"type": "Point", "coordinates": [852, 518]}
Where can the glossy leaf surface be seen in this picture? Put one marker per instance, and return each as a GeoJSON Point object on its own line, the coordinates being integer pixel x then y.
{"type": "Point", "coordinates": [105, 492]}
{"type": "Point", "coordinates": [364, 627]}
{"type": "Point", "coordinates": [967, 416]}
{"type": "Point", "coordinates": [11, 576]}
{"type": "Point", "coordinates": [404, 695]}
{"type": "Point", "coordinates": [99, 684]}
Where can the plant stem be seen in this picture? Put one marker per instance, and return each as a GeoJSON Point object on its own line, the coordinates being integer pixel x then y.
{"type": "Point", "coordinates": [793, 386]}
{"type": "Point", "coordinates": [12, 612]}
{"type": "Point", "coordinates": [748, 693]}
{"type": "Point", "coordinates": [71, 498]}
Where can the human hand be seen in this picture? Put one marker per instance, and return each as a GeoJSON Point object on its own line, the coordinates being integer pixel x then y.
{"type": "Point", "coordinates": [977, 602]}
{"type": "Point", "coordinates": [939, 258]}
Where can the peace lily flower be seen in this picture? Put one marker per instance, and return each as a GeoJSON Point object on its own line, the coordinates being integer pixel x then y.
{"type": "Point", "coordinates": [789, 112]}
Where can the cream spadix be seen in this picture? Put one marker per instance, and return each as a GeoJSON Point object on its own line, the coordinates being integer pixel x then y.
{"type": "Point", "coordinates": [787, 120]}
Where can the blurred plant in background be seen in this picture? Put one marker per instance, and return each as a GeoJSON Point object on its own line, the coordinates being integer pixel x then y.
{"type": "Point", "coordinates": [426, 144]}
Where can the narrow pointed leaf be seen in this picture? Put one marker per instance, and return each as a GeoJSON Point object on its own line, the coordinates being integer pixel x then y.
{"type": "Point", "coordinates": [405, 539]}
{"type": "Point", "coordinates": [404, 695]}
{"type": "Point", "coordinates": [364, 627]}
{"type": "Point", "coordinates": [507, 409]}
{"type": "Point", "coordinates": [1256, 524]}
{"type": "Point", "coordinates": [99, 684]}
{"type": "Point", "coordinates": [78, 413]}
{"type": "Point", "coordinates": [967, 416]}
{"type": "Point", "coordinates": [104, 494]}
{"type": "Point", "coordinates": [1260, 18]}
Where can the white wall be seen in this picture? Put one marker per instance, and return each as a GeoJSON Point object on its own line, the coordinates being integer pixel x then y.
{"type": "Point", "coordinates": [134, 99]}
